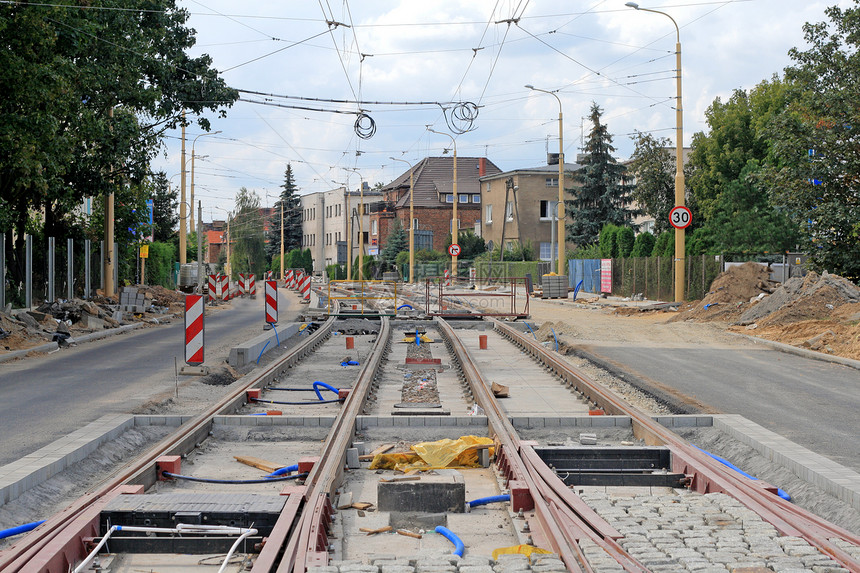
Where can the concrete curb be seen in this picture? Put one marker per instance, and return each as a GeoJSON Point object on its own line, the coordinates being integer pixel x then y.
{"type": "Point", "coordinates": [52, 346]}
{"type": "Point", "coordinates": [251, 350]}
{"type": "Point", "coordinates": [804, 352]}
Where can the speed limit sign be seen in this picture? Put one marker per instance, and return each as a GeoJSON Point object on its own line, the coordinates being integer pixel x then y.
{"type": "Point", "coordinates": [680, 217]}
{"type": "Point", "coordinates": [454, 250]}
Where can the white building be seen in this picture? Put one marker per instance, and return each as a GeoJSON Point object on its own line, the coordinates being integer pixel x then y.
{"type": "Point", "coordinates": [324, 225]}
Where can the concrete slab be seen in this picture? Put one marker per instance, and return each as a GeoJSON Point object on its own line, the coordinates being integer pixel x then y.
{"type": "Point", "coordinates": [248, 352]}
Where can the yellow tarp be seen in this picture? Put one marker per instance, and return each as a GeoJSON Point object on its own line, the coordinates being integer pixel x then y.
{"type": "Point", "coordinates": [526, 550]}
{"type": "Point", "coordinates": [459, 453]}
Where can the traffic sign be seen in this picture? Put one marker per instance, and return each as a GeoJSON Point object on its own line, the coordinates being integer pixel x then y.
{"type": "Point", "coordinates": [454, 250]}
{"type": "Point", "coordinates": [680, 217]}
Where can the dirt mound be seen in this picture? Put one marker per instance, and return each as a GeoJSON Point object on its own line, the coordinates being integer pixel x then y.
{"type": "Point", "coordinates": [731, 293]}
{"type": "Point", "coordinates": [813, 297]}
{"type": "Point", "coordinates": [161, 296]}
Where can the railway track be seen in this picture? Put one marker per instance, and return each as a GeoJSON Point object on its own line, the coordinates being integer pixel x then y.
{"type": "Point", "coordinates": [393, 383]}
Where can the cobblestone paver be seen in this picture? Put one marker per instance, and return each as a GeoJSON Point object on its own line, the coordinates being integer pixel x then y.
{"type": "Point", "coordinates": [711, 533]}
{"type": "Point", "coordinates": [434, 562]}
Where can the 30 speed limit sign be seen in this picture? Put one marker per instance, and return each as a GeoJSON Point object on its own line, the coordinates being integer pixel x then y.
{"type": "Point", "coordinates": [454, 250]}
{"type": "Point", "coordinates": [680, 217]}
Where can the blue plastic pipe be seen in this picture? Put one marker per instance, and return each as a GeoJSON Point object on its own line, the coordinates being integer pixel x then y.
{"type": "Point", "coordinates": [556, 339]}
{"type": "Point", "coordinates": [317, 384]}
{"type": "Point", "coordinates": [417, 338]}
{"type": "Point", "coordinates": [490, 499]}
{"type": "Point", "coordinates": [18, 530]}
{"type": "Point", "coordinates": [346, 363]}
{"type": "Point", "coordinates": [530, 330]}
{"type": "Point", "coordinates": [783, 494]}
{"type": "Point", "coordinates": [233, 481]}
{"type": "Point", "coordinates": [405, 306]}
{"type": "Point", "coordinates": [576, 290]}
{"type": "Point", "coordinates": [262, 351]}
{"type": "Point", "coordinates": [449, 535]}
{"type": "Point", "coordinates": [282, 471]}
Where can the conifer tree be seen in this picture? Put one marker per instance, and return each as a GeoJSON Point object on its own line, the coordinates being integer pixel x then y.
{"type": "Point", "coordinates": [603, 197]}
{"type": "Point", "coordinates": [291, 203]}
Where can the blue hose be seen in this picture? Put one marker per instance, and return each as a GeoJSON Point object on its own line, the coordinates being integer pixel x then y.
{"type": "Point", "coordinates": [486, 500]}
{"type": "Point", "coordinates": [417, 338]}
{"type": "Point", "coordinates": [18, 530]}
{"type": "Point", "coordinates": [277, 339]}
{"type": "Point", "coordinates": [556, 339]}
{"type": "Point", "coordinates": [262, 351]}
{"type": "Point", "coordinates": [530, 330]}
{"type": "Point", "coordinates": [346, 363]}
{"type": "Point", "coordinates": [405, 306]}
{"type": "Point", "coordinates": [282, 471]}
{"type": "Point", "coordinates": [576, 290]}
{"type": "Point", "coordinates": [314, 403]}
{"type": "Point", "coordinates": [449, 535]}
{"type": "Point", "coordinates": [783, 494]}
{"type": "Point", "coordinates": [317, 384]}
{"type": "Point", "coordinates": [233, 481]}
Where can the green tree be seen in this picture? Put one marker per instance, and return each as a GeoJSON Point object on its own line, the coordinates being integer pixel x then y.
{"type": "Point", "coordinates": [654, 167]}
{"type": "Point", "coordinates": [292, 214]}
{"type": "Point", "coordinates": [643, 246]}
{"type": "Point", "coordinates": [396, 242]}
{"type": "Point", "coordinates": [817, 166]}
{"type": "Point", "coordinates": [165, 216]}
{"type": "Point", "coordinates": [87, 95]}
{"type": "Point", "coordinates": [607, 241]}
{"type": "Point", "coordinates": [664, 245]}
{"type": "Point", "coordinates": [603, 197]}
{"type": "Point", "coordinates": [247, 250]}
{"type": "Point", "coordinates": [624, 239]}
{"type": "Point", "coordinates": [308, 261]}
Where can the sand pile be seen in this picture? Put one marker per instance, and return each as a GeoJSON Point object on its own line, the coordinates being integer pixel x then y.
{"type": "Point", "coordinates": [813, 297]}
{"type": "Point", "coordinates": [730, 294]}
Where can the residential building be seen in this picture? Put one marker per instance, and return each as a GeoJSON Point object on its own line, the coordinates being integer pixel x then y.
{"type": "Point", "coordinates": [518, 206]}
{"type": "Point", "coordinates": [324, 224]}
{"type": "Point", "coordinates": [433, 201]}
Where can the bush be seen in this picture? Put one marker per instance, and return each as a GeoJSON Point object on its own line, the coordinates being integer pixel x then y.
{"type": "Point", "coordinates": [336, 272]}
{"type": "Point", "coordinates": [643, 246]}
{"type": "Point", "coordinates": [607, 241]}
{"type": "Point", "coordinates": [624, 239]}
{"type": "Point", "coordinates": [664, 246]}
{"type": "Point", "coordinates": [159, 265]}
{"type": "Point", "coordinates": [591, 251]}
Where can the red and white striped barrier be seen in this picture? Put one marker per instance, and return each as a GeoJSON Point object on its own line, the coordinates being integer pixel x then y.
{"type": "Point", "coordinates": [194, 329]}
{"type": "Point", "coordinates": [447, 277]}
{"type": "Point", "coordinates": [213, 287]}
{"type": "Point", "coordinates": [300, 276]}
{"type": "Point", "coordinates": [252, 285]}
{"type": "Point", "coordinates": [271, 301]}
{"type": "Point", "coordinates": [243, 285]}
{"type": "Point", "coordinates": [224, 288]}
{"type": "Point", "coordinates": [306, 289]}
{"type": "Point", "coordinates": [269, 275]}
{"type": "Point", "coordinates": [288, 280]}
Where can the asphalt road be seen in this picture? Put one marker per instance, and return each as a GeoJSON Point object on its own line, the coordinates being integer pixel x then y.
{"type": "Point", "coordinates": [813, 403]}
{"type": "Point", "coordinates": [43, 398]}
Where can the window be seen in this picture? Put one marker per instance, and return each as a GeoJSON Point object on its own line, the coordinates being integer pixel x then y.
{"type": "Point", "coordinates": [546, 251]}
{"type": "Point", "coordinates": [463, 198]}
{"type": "Point", "coordinates": [451, 225]}
{"type": "Point", "coordinates": [489, 213]}
{"type": "Point", "coordinates": [551, 182]}
{"type": "Point", "coordinates": [509, 211]}
{"type": "Point", "coordinates": [487, 187]}
{"type": "Point", "coordinates": [546, 209]}
{"type": "Point", "coordinates": [373, 227]}
{"type": "Point", "coordinates": [476, 198]}
{"type": "Point", "coordinates": [415, 223]}
{"type": "Point", "coordinates": [449, 198]}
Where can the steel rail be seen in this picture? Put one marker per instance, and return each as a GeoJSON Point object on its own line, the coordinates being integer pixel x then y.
{"type": "Point", "coordinates": [307, 544]}
{"type": "Point", "coordinates": [543, 485]}
{"type": "Point", "coordinates": [57, 535]}
{"type": "Point", "coordinates": [708, 475]}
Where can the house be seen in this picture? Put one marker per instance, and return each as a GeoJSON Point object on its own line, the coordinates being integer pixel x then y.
{"type": "Point", "coordinates": [433, 201]}
{"type": "Point", "coordinates": [325, 224]}
{"type": "Point", "coordinates": [518, 206]}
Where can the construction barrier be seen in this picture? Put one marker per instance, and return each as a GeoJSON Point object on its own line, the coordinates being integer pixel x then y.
{"type": "Point", "coordinates": [224, 289]}
{"type": "Point", "coordinates": [213, 287]}
{"type": "Point", "coordinates": [243, 284]}
{"type": "Point", "coordinates": [288, 281]}
{"type": "Point", "coordinates": [271, 301]}
{"type": "Point", "coordinates": [252, 285]}
{"type": "Point", "coordinates": [306, 289]}
{"type": "Point", "coordinates": [447, 277]}
{"type": "Point", "coordinates": [194, 329]}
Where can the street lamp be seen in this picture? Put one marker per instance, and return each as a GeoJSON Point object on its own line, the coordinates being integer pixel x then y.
{"type": "Point", "coordinates": [192, 227]}
{"type": "Point", "coordinates": [561, 218]}
{"type": "Point", "coordinates": [411, 220]}
{"type": "Point", "coordinates": [680, 234]}
{"type": "Point", "coordinates": [455, 223]}
{"type": "Point", "coordinates": [360, 223]}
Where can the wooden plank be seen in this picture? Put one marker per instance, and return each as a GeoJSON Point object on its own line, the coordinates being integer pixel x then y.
{"type": "Point", "coordinates": [259, 463]}
{"type": "Point", "coordinates": [369, 531]}
{"type": "Point", "coordinates": [362, 505]}
{"type": "Point", "coordinates": [380, 450]}
{"type": "Point", "coordinates": [408, 533]}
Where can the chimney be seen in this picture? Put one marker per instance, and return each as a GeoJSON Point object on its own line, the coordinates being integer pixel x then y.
{"type": "Point", "coordinates": [482, 166]}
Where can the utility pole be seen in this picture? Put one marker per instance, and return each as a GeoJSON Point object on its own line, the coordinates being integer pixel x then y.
{"type": "Point", "coordinates": [199, 246]}
{"type": "Point", "coordinates": [282, 240]}
{"type": "Point", "coordinates": [107, 270]}
{"type": "Point", "coordinates": [182, 211]}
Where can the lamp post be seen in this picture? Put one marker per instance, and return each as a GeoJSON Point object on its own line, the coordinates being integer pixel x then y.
{"type": "Point", "coordinates": [360, 223]}
{"type": "Point", "coordinates": [411, 219]}
{"type": "Point", "coordinates": [192, 227]}
{"type": "Point", "coordinates": [561, 217]}
{"type": "Point", "coordinates": [680, 234]}
{"type": "Point", "coordinates": [455, 222]}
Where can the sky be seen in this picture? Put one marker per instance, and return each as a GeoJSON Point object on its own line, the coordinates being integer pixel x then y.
{"type": "Point", "coordinates": [402, 62]}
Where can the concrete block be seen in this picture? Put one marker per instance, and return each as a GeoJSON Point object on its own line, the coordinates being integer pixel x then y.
{"type": "Point", "coordinates": [445, 492]}
{"type": "Point", "coordinates": [352, 459]}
